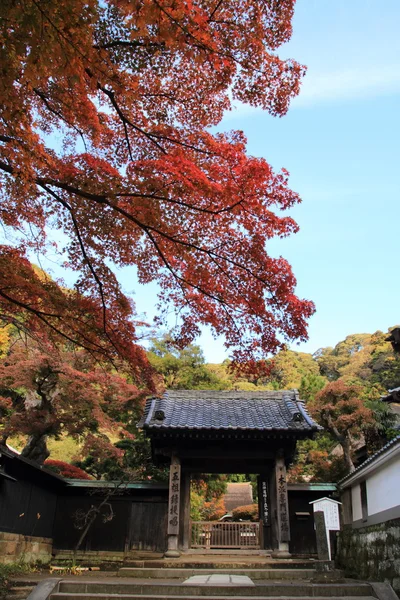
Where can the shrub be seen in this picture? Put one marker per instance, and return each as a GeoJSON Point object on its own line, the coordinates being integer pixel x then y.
{"type": "Point", "coordinates": [246, 513]}
{"type": "Point", "coordinates": [66, 470]}
{"type": "Point", "coordinates": [214, 510]}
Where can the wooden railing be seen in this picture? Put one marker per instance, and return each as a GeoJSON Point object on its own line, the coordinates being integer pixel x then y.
{"type": "Point", "coordinates": [215, 534]}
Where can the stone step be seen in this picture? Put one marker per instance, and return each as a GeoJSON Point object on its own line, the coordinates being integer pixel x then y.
{"type": "Point", "coordinates": [185, 572]}
{"type": "Point", "coordinates": [227, 596]}
{"type": "Point", "coordinates": [226, 551]}
{"type": "Point", "coordinates": [19, 592]}
{"type": "Point", "coordinates": [221, 563]}
{"type": "Point", "coordinates": [144, 589]}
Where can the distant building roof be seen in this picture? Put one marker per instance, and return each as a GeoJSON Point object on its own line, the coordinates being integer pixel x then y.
{"type": "Point", "coordinates": [238, 494]}
{"type": "Point", "coordinates": [394, 338]}
{"type": "Point", "coordinates": [392, 396]}
{"type": "Point", "coordinates": [197, 410]}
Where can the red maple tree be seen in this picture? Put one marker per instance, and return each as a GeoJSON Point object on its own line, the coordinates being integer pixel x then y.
{"type": "Point", "coordinates": [51, 392]}
{"type": "Point", "coordinates": [65, 469]}
{"type": "Point", "coordinates": [105, 137]}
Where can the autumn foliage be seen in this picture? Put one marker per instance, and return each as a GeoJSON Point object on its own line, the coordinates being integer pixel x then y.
{"type": "Point", "coordinates": [339, 408]}
{"type": "Point", "coordinates": [51, 392]}
{"type": "Point", "coordinates": [65, 469]}
{"type": "Point", "coordinates": [105, 142]}
{"type": "Point", "coordinates": [213, 510]}
{"type": "Point", "coordinates": [248, 512]}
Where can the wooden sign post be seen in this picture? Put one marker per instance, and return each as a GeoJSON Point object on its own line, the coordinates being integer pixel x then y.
{"type": "Point", "coordinates": [330, 508]}
{"type": "Point", "coordinates": [282, 498]}
{"type": "Point", "coordinates": [173, 507]}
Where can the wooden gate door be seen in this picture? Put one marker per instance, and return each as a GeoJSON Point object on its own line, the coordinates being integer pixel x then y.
{"type": "Point", "coordinates": [148, 526]}
{"type": "Point", "coordinates": [216, 534]}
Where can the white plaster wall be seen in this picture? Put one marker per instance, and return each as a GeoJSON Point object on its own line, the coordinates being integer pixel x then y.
{"type": "Point", "coordinates": [383, 487]}
{"type": "Point", "coordinates": [356, 502]}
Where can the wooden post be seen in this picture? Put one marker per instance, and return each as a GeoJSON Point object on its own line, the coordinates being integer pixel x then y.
{"type": "Point", "coordinates": [274, 511]}
{"type": "Point", "coordinates": [282, 507]}
{"type": "Point", "coordinates": [173, 508]}
{"type": "Point", "coordinates": [184, 533]}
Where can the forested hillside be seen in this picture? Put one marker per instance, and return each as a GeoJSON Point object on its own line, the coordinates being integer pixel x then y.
{"type": "Point", "coordinates": [364, 359]}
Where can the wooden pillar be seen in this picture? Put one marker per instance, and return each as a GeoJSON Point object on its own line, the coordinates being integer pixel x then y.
{"type": "Point", "coordinates": [173, 508]}
{"type": "Point", "coordinates": [184, 541]}
{"type": "Point", "coordinates": [347, 508]}
{"type": "Point", "coordinates": [282, 527]}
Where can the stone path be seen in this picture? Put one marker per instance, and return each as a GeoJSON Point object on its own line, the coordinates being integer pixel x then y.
{"type": "Point", "coordinates": [219, 579]}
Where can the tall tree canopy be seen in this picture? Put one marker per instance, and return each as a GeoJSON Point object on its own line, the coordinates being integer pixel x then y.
{"type": "Point", "coordinates": [182, 369]}
{"type": "Point", "coordinates": [339, 408]}
{"type": "Point", "coordinates": [105, 137]}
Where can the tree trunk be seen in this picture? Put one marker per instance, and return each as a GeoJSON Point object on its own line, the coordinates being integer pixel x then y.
{"type": "Point", "coordinates": [36, 448]}
{"type": "Point", "coordinates": [346, 445]}
{"type": "Point", "coordinates": [343, 440]}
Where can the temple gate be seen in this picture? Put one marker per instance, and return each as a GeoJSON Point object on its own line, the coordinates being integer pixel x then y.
{"type": "Point", "coordinates": [207, 431]}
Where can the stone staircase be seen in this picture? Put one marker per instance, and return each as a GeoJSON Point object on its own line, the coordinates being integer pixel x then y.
{"type": "Point", "coordinates": [256, 572]}
{"type": "Point", "coordinates": [19, 592]}
{"type": "Point", "coordinates": [166, 590]}
{"type": "Point", "coordinates": [211, 578]}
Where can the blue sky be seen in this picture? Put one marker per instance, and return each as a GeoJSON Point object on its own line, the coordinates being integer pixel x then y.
{"type": "Point", "coordinates": [340, 143]}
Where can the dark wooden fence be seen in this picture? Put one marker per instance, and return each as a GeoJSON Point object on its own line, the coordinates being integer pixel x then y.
{"type": "Point", "coordinates": [139, 522]}
{"type": "Point", "coordinates": [148, 526]}
{"type": "Point", "coordinates": [28, 497]}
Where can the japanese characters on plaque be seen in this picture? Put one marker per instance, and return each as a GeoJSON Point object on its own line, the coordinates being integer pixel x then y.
{"type": "Point", "coordinates": [174, 495]}
{"type": "Point", "coordinates": [265, 506]}
{"type": "Point", "coordinates": [283, 510]}
{"type": "Point", "coordinates": [330, 509]}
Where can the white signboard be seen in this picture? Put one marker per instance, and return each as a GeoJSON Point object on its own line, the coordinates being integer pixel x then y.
{"type": "Point", "coordinates": [330, 508]}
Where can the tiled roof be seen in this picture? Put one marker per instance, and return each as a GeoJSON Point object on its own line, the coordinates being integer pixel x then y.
{"type": "Point", "coordinates": [392, 395]}
{"type": "Point", "coordinates": [238, 494]}
{"type": "Point", "coordinates": [227, 410]}
{"type": "Point", "coordinates": [394, 442]}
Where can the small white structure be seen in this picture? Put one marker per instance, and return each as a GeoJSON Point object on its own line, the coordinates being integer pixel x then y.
{"type": "Point", "coordinates": [371, 494]}
{"type": "Point", "coordinates": [330, 508]}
